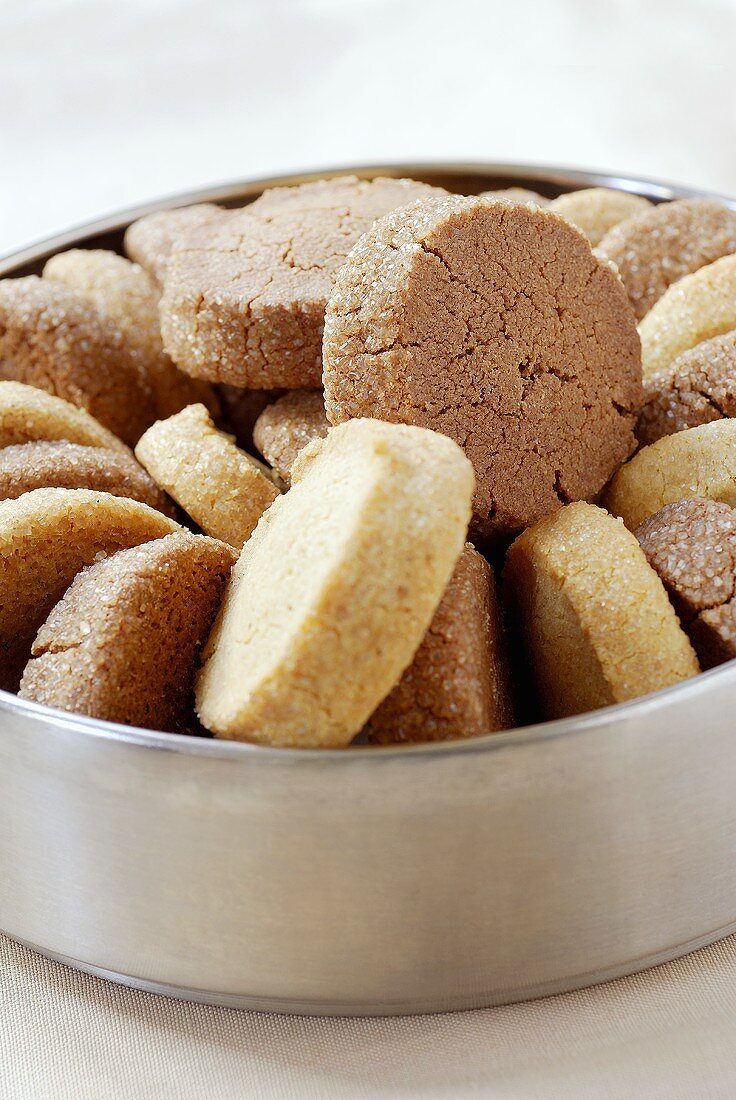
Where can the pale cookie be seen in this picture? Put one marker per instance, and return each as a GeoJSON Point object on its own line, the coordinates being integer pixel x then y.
{"type": "Point", "coordinates": [692, 546]}
{"type": "Point", "coordinates": [596, 621]}
{"type": "Point", "coordinates": [123, 643]}
{"type": "Point", "coordinates": [54, 339]}
{"type": "Point", "coordinates": [595, 210]}
{"type": "Point", "coordinates": [335, 589]}
{"type": "Point", "coordinates": [46, 537]}
{"type": "Point", "coordinates": [699, 386]}
{"type": "Point", "coordinates": [222, 488]}
{"type": "Point", "coordinates": [655, 249]}
{"type": "Point", "coordinates": [242, 409]}
{"type": "Point", "coordinates": [457, 686]}
{"type": "Point", "coordinates": [287, 425]}
{"type": "Point", "coordinates": [63, 465]}
{"type": "Point", "coordinates": [244, 298]}
{"type": "Point", "coordinates": [699, 462]}
{"type": "Point", "coordinates": [126, 295]}
{"type": "Point", "coordinates": [492, 323]}
{"type": "Point", "coordinates": [150, 240]}
{"type": "Point", "coordinates": [28, 414]}
{"type": "Point", "coordinates": [515, 194]}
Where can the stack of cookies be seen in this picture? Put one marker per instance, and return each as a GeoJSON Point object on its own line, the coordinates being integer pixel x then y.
{"type": "Point", "coordinates": [369, 460]}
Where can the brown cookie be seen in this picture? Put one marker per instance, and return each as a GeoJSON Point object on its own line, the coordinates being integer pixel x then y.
{"type": "Point", "coordinates": [458, 683]}
{"type": "Point", "coordinates": [287, 425]}
{"type": "Point", "coordinates": [244, 297]}
{"type": "Point", "coordinates": [149, 240]}
{"type": "Point", "coordinates": [242, 408]}
{"type": "Point", "coordinates": [496, 325]}
{"type": "Point", "coordinates": [691, 544]}
{"type": "Point", "coordinates": [123, 643]}
{"type": "Point", "coordinates": [515, 194]}
{"type": "Point", "coordinates": [656, 248]}
{"type": "Point", "coordinates": [596, 210]}
{"type": "Point", "coordinates": [28, 414]}
{"type": "Point", "coordinates": [54, 339]}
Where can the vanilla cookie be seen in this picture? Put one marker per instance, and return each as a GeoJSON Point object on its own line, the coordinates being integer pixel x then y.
{"type": "Point", "coordinates": [46, 537]}
{"type": "Point", "coordinates": [123, 644]}
{"type": "Point", "coordinates": [596, 210]}
{"type": "Point", "coordinates": [244, 297]}
{"type": "Point", "coordinates": [457, 686]}
{"type": "Point", "coordinates": [28, 414]}
{"type": "Point", "coordinates": [492, 323]}
{"type": "Point", "coordinates": [54, 339]}
{"type": "Point", "coordinates": [596, 621]}
{"type": "Point", "coordinates": [335, 589]}
{"type": "Point", "coordinates": [658, 247]}
{"type": "Point", "coordinates": [514, 194]}
{"type": "Point", "coordinates": [287, 425]}
{"type": "Point", "coordinates": [150, 240]}
{"type": "Point", "coordinates": [698, 462]}
{"type": "Point", "coordinates": [222, 488]}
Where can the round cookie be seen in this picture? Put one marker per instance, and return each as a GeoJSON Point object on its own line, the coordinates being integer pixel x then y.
{"type": "Point", "coordinates": [222, 488]}
{"type": "Point", "coordinates": [123, 644]}
{"type": "Point", "coordinates": [46, 537]}
{"type": "Point", "coordinates": [28, 414]}
{"type": "Point", "coordinates": [699, 386]}
{"type": "Point", "coordinates": [244, 297]}
{"type": "Point", "coordinates": [150, 240]}
{"type": "Point", "coordinates": [242, 409]}
{"type": "Point", "coordinates": [691, 544]}
{"type": "Point", "coordinates": [126, 295]}
{"type": "Point", "coordinates": [63, 465]}
{"type": "Point", "coordinates": [655, 249]}
{"type": "Point", "coordinates": [595, 210]}
{"type": "Point", "coordinates": [494, 324]}
{"type": "Point", "coordinates": [54, 339]}
{"type": "Point", "coordinates": [698, 462]}
{"type": "Point", "coordinates": [330, 599]}
{"type": "Point", "coordinates": [596, 621]}
{"type": "Point", "coordinates": [515, 194]}
{"type": "Point", "coordinates": [287, 425]}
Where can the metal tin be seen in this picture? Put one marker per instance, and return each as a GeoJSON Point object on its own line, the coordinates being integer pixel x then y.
{"type": "Point", "coordinates": [372, 880]}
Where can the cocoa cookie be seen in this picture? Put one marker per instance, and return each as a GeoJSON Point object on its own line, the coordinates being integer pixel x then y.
{"type": "Point", "coordinates": [222, 488]}
{"type": "Point", "coordinates": [658, 247]}
{"type": "Point", "coordinates": [458, 683]}
{"type": "Point", "coordinates": [691, 544]}
{"type": "Point", "coordinates": [515, 194]}
{"type": "Point", "coordinates": [242, 408]}
{"type": "Point", "coordinates": [596, 620]}
{"type": "Point", "coordinates": [28, 414]}
{"type": "Point", "coordinates": [699, 386]}
{"type": "Point", "coordinates": [46, 537]}
{"type": "Point", "coordinates": [122, 645]}
{"type": "Point", "coordinates": [126, 295]}
{"type": "Point", "coordinates": [495, 324]}
{"type": "Point", "coordinates": [287, 425]}
{"type": "Point", "coordinates": [697, 462]}
{"type": "Point", "coordinates": [64, 465]}
{"type": "Point", "coordinates": [244, 297]}
{"type": "Point", "coordinates": [596, 210]}
{"type": "Point", "coordinates": [150, 240]}
{"type": "Point", "coordinates": [330, 599]}
{"type": "Point", "coordinates": [52, 338]}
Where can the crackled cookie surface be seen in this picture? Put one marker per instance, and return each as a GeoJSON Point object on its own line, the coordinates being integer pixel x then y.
{"type": "Point", "coordinates": [596, 621]}
{"type": "Point", "coordinates": [150, 240]}
{"type": "Point", "coordinates": [494, 324]}
{"type": "Point", "coordinates": [28, 414]}
{"type": "Point", "coordinates": [123, 643]}
{"type": "Point", "coordinates": [331, 597]}
{"type": "Point", "coordinates": [595, 210]}
{"type": "Point", "coordinates": [287, 425]}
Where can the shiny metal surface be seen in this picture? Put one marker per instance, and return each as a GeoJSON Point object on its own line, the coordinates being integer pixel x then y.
{"type": "Point", "coordinates": [408, 879]}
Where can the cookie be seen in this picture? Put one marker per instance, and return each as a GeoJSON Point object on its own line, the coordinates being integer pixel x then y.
{"type": "Point", "coordinates": [330, 599]}
{"type": "Point", "coordinates": [126, 295]}
{"type": "Point", "coordinates": [492, 323]}
{"type": "Point", "coordinates": [54, 339]}
{"type": "Point", "coordinates": [223, 489]}
{"type": "Point", "coordinates": [698, 462]}
{"type": "Point", "coordinates": [150, 240]}
{"type": "Point", "coordinates": [515, 194]}
{"type": "Point", "coordinates": [596, 620]}
{"type": "Point", "coordinates": [698, 386]}
{"type": "Point", "coordinates": [122, 645]}
{"type": "Point", "coordinates": [244, 297]}
{"type": "Point", "coordinates": [457, 686]}
{"type": "Point", "coordinates": [691, 545]}
{"type": "Point", "coordinates": [658, 247]}
{"type": "Point", "coordinates": [242, 408]}
{"type": "Point", "coordinates": [287, 425]}
{"type": "Point", "coordinates": [46, 537]}
{"type": "Point", "coordinates": [596, 210]}
{"type": "Point", "coordinates": [28, 414]}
